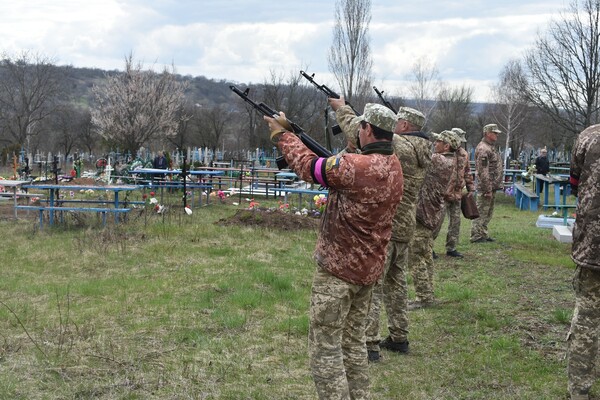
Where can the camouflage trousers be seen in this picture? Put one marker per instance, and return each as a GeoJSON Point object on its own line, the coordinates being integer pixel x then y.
{"type": "Point", "coordinates": [485, 206]}
{"type": "Point", "coordinates": [582, 339]}
{"type": "Point", "coordinates": [392, 290]}
{"type": "Point", "coordinates": [420, 263]}
{"type": "Point", "coordinates": [454, 218]}
{"type": "Point", "coordinates": [336, 338]}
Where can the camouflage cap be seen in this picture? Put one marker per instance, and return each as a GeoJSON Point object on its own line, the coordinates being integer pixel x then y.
{"type": "Point", "coordinates": [491, 128]}
{"type": "Point", "coordinates": [379, 116]}
{"type": "Point", "coordinates": [448, 137]}
{"type": "Point", "coordinates": [460, 133]}
{"type": "Point", "coordinates": [411, 115]}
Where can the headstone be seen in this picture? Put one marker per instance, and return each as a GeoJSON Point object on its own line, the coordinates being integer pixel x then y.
{"type": "Point", "coordinates": [550, 222]}
{"type": "Point", "coordinates": [562, 233]}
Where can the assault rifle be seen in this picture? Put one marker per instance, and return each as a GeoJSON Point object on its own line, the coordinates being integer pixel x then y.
{"type": "Point", "coordinates": [384, 101]}
{"type": "Point", "coordinates": [264, 109]}
{"type": "Point", "coordinates": [329, 93]}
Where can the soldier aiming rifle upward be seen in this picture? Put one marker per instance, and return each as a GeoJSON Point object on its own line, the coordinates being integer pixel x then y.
{"type": "Point", "coordinates": [265, 110]}
{"type": "Point", "coordinates": [383, 100]}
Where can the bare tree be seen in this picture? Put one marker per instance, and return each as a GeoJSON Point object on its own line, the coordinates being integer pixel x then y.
{"type": "Point", "coordinates": [511, 109]}
{"type": "Point", "coordinates": [185, 131]}
{"type": "Point", "coordinates": [29, 86]}
{"type": "Point", "coordinates": [137, 106]}
{"type": "Point", "coordinates": [424, 85]}
{"type": "Point", "coordinates": [88, 136]}
{"type": "Point", "coordinates": [564, 67]}
{"type": "Point", "coordinates": [212, 124]}
{"type": "Point", "coordinates": [350, 53]}
{"type": "Point", "coordinates": [454, 109]}
{"type": "Point", "coordinates": [65, 125]}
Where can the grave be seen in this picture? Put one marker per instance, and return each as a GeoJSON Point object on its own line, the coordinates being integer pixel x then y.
{"type": "Point", "coordinates": [562, 233]}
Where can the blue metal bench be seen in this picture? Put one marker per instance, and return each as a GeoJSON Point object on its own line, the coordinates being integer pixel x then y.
{"type": "Point", "coordinates": [300, 192]}
{"type": "Point", "coordinates": [525, 198]}
{"type": "Point", "coordinates": [103, 202]}
{"type": "Point", "coordinates": [103, 211]}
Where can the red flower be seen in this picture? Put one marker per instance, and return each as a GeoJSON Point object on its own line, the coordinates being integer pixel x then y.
{"type": "Point", "coordinates": [152, 194]}
{"type": "Point", "coordinates": [156, 207]}
{"type": "Point", "coordinates": [144, 196]}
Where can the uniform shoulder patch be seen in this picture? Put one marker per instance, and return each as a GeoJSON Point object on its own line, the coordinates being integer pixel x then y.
{"type": "Point", "coordinates": [484, 161]}
{"type": "Point", "coordinates": [332, 162]}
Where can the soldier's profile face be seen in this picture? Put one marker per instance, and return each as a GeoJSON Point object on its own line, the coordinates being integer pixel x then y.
{"type": "Point", "coordinates": [491, 136]}
{"type": "Point", "coordinates": [440, 146]}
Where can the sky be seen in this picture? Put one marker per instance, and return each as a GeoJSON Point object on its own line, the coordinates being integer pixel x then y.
{"type": "Point", "coordinates": [243, 41]}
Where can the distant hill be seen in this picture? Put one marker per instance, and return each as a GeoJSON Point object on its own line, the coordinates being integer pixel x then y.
{"type": "Point", "coordinates": [79, 83]}
{"type": "Point", "coordinates": [201, 90]}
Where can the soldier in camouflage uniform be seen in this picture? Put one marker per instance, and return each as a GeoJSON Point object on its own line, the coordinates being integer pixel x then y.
{"type": "Point", "coordinates": [488, 165]}
{"type": "Point", "coordinates": [413, 149]}
{"type": "Point", "coordinates": [364, 190]}
{"type": "Point", "coordinates": [430, 210]}
{"type": "Point", "coordinates": [461, 177]}
{"type": "Point", "coordinates": [582, 339]}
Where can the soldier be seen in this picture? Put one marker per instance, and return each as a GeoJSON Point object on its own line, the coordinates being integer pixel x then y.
{"type": "Point", "coordinates": [364, 190]}
{"type": "Point", "coordinates": [488, 166]}
{"type": "Point", "coordinates": [582, 340]}
{"type": "Point", "coordinates": [460, 178]}
{"type": "Point", "coordinates": [413, 148]}
{"type": "Point", "coordinates": [430, 211]}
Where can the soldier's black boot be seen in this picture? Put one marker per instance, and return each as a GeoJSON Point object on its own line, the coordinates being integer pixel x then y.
{"type": "Point", "coordinates": [396, 347]}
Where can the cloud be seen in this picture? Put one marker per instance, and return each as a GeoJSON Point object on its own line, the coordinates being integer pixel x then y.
{"type": "Point", "coordinates": [242, 40]}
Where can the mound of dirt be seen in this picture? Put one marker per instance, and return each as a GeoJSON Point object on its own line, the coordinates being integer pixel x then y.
{"type": "Point", "coordinates": [270, 219]}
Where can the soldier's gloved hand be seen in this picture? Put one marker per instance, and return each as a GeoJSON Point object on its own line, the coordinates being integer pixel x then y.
{"type": "Point", "coordinates": [277, 124]}
{"type": "Point", "coordinates": [284, 122]}
{"type": "Point", "coordinates": [574, 190]}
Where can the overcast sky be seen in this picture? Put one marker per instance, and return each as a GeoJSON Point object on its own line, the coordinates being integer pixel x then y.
{"type": "Point", "coordinates": [242, 40]}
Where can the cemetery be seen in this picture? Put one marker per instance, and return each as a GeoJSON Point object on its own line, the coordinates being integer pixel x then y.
{"type": "Point", "coordinates": [158, 297]}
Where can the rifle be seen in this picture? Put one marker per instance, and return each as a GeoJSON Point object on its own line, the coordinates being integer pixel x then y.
{"type": "Point", "coordinates": [329, 93]}
{"type": "Point", "coordinates": [384, 101]}
{"type": "Point", "coordinates": [264, 109]}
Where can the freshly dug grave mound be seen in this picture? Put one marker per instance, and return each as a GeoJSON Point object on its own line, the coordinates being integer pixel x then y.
{"type": "Point", "coordinates": [270, 219]}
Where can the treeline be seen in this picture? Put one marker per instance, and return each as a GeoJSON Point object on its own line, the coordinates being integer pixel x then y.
{"type": "Point", "coordinates": [50, 108]}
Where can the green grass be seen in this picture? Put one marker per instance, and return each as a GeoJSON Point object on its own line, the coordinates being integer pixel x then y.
{"type": "Point", "coordinates": [182, 307]}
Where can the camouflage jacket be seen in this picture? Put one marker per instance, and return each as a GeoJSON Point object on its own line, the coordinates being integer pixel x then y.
{"type": "Point", "coordinates": [344, 116]}
{"type": "Point", "coordinates": [461, 176]}
{"type": "Point", "coordinates": [364, 190]}
{"type": "Point", "coordinates": [488, 165]}
{"type": "Point", "coordinates": [585, 175]}
{"type": "Point", "coordinates": [414, 152]}
{"type": "Point", "coordinates": [431, 202]}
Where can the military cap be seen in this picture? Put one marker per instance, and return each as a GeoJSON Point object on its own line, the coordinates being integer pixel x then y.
{"type": "Point", "coordinates": [491, 128]}
{"type": "Point", "coordinates": [379, 116]}
{"type": "Point", "coordinates": [448, 137]}
{"type": "Point", "coordinates": [460, 133]}
{"type": "Point", "coordinates": [411, 115]}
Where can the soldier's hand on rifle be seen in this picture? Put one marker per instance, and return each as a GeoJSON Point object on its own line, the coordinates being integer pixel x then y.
{"type": "Point", "coordinates": [336, 103]}
{"type": "Point", "coordinates": [277, 125]}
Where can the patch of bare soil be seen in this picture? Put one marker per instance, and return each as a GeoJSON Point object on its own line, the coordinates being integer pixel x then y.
{"type": "Point", "coordinates": [272, 219]}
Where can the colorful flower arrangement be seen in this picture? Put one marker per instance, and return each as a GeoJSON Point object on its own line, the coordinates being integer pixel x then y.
{"type": "Point", "coordinates": [152, 203]}
{"type": "Point", "coordinates": [320, 201]}
{"type": "Point", "coordinates": [285, 207]}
